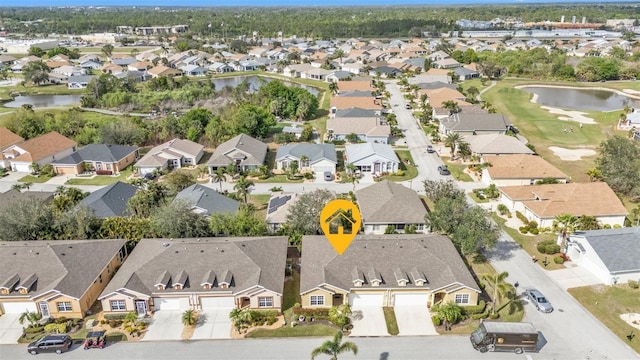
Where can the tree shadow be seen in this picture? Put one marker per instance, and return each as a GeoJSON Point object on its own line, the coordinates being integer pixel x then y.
{"type": "Point", "coordinates": [356, 315]}
{"type": "Point", "coordinates": [202, 319]}
{"type": "Point", "coordinates": [384, 356]}
{"type": "Point", "coordinates": [502, 251]}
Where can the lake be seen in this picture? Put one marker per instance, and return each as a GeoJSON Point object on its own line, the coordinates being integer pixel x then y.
{"type": "Point", "coordinates": [579, 99]}
{"type": "Point", "coordinates": [256, 82]}
{"type": "Point", "coordinates": [44, 101]}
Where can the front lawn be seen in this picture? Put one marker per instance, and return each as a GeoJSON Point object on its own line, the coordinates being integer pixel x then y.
{"type": "Point", "coordinates": [34, 179]}
{"type": "Point", "coordinates": [406, 166]}
{"type": "Point", "coordinates": [607, 303]}
{"type": "Point", "coordinates": [281, 178]}
{"type": "Point", "coordinates": [390, 319]}
{"type": "Point", "coordinates": [291, 292]}
{"type": "Point", "coordinates": [297, 331]}
{"type": "Point", "coordinates": [457, 170]}
{"type": "Point", "coordinates": [102, 179]}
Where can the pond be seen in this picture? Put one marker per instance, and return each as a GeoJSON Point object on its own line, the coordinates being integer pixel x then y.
{"type": "Point", "coordinates": [44, 101]}
{"type": "Point", "coordinates": [256, 82]}
{"type": "Point", "coordinates": [579, 99]}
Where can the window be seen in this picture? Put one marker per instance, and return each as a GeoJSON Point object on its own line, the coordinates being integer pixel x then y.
{"type": "Point", "coordinates": [100, 278]}
{"type": "Point", "coordinates": [118, 305]}
{"type": "Point", "coordinates": [64, 306]}
{"type": "Point", "coordinates": [317, 300]}
{"type": "Point", "coordinates": [265, 301]}
{"type": "Point", "coordinates": [462, 298]}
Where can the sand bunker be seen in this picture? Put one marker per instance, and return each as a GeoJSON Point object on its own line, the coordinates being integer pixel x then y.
{"type": "Point", "coordinates": [570, 115]}
{"type": "Point", "coordinates": [632, 319]}
{"type": "Point", "coordinates": [631, 91]}
{"type": "Point", "coordinates": [571, 154]}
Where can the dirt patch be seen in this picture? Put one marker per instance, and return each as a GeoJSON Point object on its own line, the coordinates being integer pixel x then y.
{"type": "Point", "coordinates": [571, 154]}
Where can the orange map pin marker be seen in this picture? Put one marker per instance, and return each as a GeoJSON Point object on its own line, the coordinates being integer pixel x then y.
{"type": "Point", "coordinates": [340, 221]}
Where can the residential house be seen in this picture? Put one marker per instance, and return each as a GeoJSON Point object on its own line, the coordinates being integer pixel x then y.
{"type": "Point", "coordinates": [104, 159]}
{"type": "Point", "coordinates": [447, 63]}
{"type": "Point", "coordinates": [244, 151]}
{"type": "Point", "coordinates": [61, 278]}
{"type": "Point", "coordinates": [354, 113]}
{"type": "Point", "coordinates": [162, 70]}
{"type": "Point", "coordinates": [194, 70]}
{"type": "Point", "coordinates": [466, 74]}
{"type": "Point", "coordinates": [362, 102]}
{"type": "Point", "coordinates": [373, 158]}
{"type": "Point", "coordinates": [173, 154]}
{"type": "Point", "coordinates": [519, 169]}
{"type": "Point", "coordinates": [367, 129]}
{"type": "Point", "coordinates": [611, 254]}
{"type": "Point", "coordinates": [79, 81]}
{"type": "Point", "coordinates": [42, 150]}
{"type": "Point", "coordinates": [390, 270]}
{"type": "Point", "coordinates": [542, 203]}
{"type": "Point", "coordinates": [278, 209]}
{"type": "Point", "coordinates": [7, 138]}
{"type": "Point", "coordinates": [207, 274]}
{"type": "Point", "coordinates": [318, 158]}
{"type": "Point", "coordinates": [206, 201]}
{"type": "Point", "coordinates": [110, 200]}
{"type": "Point", "coordinates": [355, 85]}
{"type": "Point", "coordinates": [474, 124]}
{"type": "Point", "coordinates": [111, 69]}
{"type": "Point", "coordinates": [496, 144]}
{"type": "Point", "coordinates": [389, 205]}
{"type": "Point", "coordinates": [220, 68]}
{"type": "Point", "coordinates": [140, 66]}
{"type": "Point", "coordinates": [70, 71]}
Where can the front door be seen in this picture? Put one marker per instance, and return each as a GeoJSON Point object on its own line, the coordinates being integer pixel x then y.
{"type": "Point", "coordinates": [141, 307]}
{"type": "Point", "coordinates": [44, 309]}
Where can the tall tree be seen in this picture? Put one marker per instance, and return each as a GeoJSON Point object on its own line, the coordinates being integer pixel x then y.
{"type": "Point", "coordinates": [619, 162]}
{"type": "Point", "coordinates": [304, 214]}
{"type": "Point", "coordinates": [451, 141]}
{"type": "Point", "coordinates": [177, 220]}
{"type": "Point", "coordinates": [497, 284]}
{"type": "Point", "coordinates": [27, 219]}
{"type": "Point", "coordinates": [243, 187]}
{"type": "Point", "coordinates": [335, 347]}
{"type": "Point", "coordinates": [36, 72]}
{"type": "Point", "coordinates": [566, 224]}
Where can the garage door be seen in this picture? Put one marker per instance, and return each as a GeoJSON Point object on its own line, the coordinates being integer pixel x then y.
{"type": "Point", "coordinates": [171, 304]}
{"type": "Point", "coordinates": [217, 303]}
{"type": "Point", "coordinates": [18, 307]}
{"type": "Point", "coordinates": [319, 170]}
{"type": "Point", "coordinates": [365, 300]}
{"type": "Point", "coordinates": [411, 299]}
{"type": "Point", "coordinates": [21, 167]}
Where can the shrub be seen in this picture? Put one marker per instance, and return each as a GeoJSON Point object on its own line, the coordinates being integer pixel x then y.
{"type": "Point", "coordinates": [494, 316]}
{"type": "Point", "coordinates": [436, 320]}
{"type": "Point", "coordinates": [533, 225]}
{"type": "Point", "coordinates": [522, 218]}
{"type": "Point", "coordinates": [534, 231]}
{"type": "Point", "coordinates": [260, 317]}
{"type": "Point", "coordinates": [308, 175]}
{"type": "Point", "coordinates": [61, 320]}
{"type": "Point", "coordinates": [503, 209]}
{"type": "Point", "coordinates": [56, 328]}
{"type": "Point", "coordinates": [320, 314]}
{"type": "Point", "coordinates": [35, 329]}
{"type": "Point", "coordinates": [103, 322]}
{"type": "Point", "coordinates": [482, 315]}
{"type": "Point", "coordinates": [558, 260]}
{"type": "Point", "coordinates": [633, 284]}
{"type": "Point", "coordinates": [115, 323]}
{"type": "Point", "coordinates": [548, 247]}
{"type": "Point", "coordinates": [117, 316]}
{"type": "Point", "coordinates": [617, 226]}
{"type": "Point", "coordinates": [399, 173]}
{"type": "Point", "coordinates": [524, 229]}
{"type": "Point", "coordinates": [476, 309]}
{"type": "Point", "coordinates": [606, 226]}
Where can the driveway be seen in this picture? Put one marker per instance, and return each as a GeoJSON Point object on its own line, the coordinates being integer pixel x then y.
{"type": "Point", "coordinates": [573, 276]}
{"type": "Point", "coordinates": [10, 329]}
{"type": "Point", "coordinates": [213, 324]}
{"type": "Point", "coordinates": [368, 321]}
{"type": "Point", "coordinates": [414, 320]}
{"type": "Point", "coordinates": [165, 325]}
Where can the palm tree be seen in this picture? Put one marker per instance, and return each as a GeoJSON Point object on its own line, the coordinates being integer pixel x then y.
{"type": "Point", "coordinates": [451, 141]}
{"type": "Point", "coordinates": [594, 174]}
{"type": "Point", "coordinates": [452, 106]}
{"type": "Point", "coordinates": [335, 347]}
{"type": "Point", "coordinates": [464, 149]}
{"type": "Point", "coordinates": [340, 314]}
{"type": "Point", "coordinates": [473, 92]}
{"type": "Point", "coordinates": [586, 222]}
{"type": "Point", "coordinates": [333, 87]}
{"type": "Point", "coordinates": [496, 281]}
{"type": "Point", "coordinates": [567, 223]}
{"type": "Point", "coordinates": [219, 175]}
{"type": "Point", "coordinates": [31, 317]}
{"type": "Point", "coordinates": [17, 187]}
{"type": "Point", "coordinates": [242, 187]}
{"type": "Point", "coordinates": [449, 313]}
{"type": "Point", "coordinates": [189, 318]}
{"type": "Point", "coordinates": [27, 185]}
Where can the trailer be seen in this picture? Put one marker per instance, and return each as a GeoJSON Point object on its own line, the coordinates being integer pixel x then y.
{"type": "Point", "coordinates": [505, 336]}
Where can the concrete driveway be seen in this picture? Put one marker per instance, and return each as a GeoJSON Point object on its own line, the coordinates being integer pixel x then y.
{"type": "Point", "coordinates": [573, 276]}
{"type": "Point", "coordinates": [368, 321]}
{"type": "Point", "coordinates": [165, 325]}
{"type": "Point", "coordinates": [213, 324]}
{"type": "Point", "coordinates": [10, 329]}
{"type": "Point", "coordinates": [414, 320]}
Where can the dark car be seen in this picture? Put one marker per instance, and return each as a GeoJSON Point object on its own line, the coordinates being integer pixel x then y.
{"type": "Point", "coordinates": [57, 343]}
{"type": "Point", "coordinates": [328, 176]}
{"type": "Point", "coordinates": [430, 149]}
{"type": "Point", "coordinates": [444, 170]}
{"type": "Point", "coordinates": [537, 299]}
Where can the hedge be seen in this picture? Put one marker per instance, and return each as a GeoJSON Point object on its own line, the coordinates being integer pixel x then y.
{"type": "Point", "coordinates": [35, 329]}
{"type": "Point", "coordinates": [436, 320]}
{"type": "Point", "coordinates": [117, 316]}
{"type": "Point", "coordinates": [320, 314]}
{"type": "Point", "coordinates": [558, 260]}
{"type": "Point", "coordinates": [261, 317]}
{"type": "Point", "coordinates": [522, 217]}
{"type": "Point", "coordinates": [633, 284]}
{"type": "Point", "coordinates": [476, 309]}
{"type": "Point", "coordinates": [55, 328]}
{"type": "Point", "coordinates": [548, 247]}
{"type": "Point", "coordinates": [482, 315]}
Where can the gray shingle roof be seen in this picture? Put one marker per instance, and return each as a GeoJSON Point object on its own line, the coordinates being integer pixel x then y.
{"type": "Point", "coordinates": [68, 266]}
{"type": "Point", "coordinates": [110, 201]}
{"type": "Point", "coordinates": [97, 152]}
{"type": "Point", "coordinates": [257, 261]}
{"type": "Point", "coordinates": [315, 152]}
{"type": "Point", "coordinates": [617, 248]}
{"type": "Point", "coordinates": [206, 198]}
{"type": "Point", "coordinates": [479, 122]}
{"type": "Point", "coordinates": [356, 152]}
{"type": "Point", "coordinates": [355, 112]}
{"type": "Point", "coordinates": [432, 256]}
{"type": "Point", "coordinates": [254, 150]}
{"type": "Point", "coordinates": [390, 203]}
{"type": "Point", "coordinates": [11, 196]}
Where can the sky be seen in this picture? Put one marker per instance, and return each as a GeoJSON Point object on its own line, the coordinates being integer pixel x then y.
{"type": "Point", "coordinates": [296, 3]}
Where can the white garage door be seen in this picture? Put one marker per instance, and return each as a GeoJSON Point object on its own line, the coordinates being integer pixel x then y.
{"type": "Point", "coordinates": [18, 307]}
{"type": "Point", "coordinates": [365, 300]}
{"type": "Point", "coordinates": [171, 304]}
{"type": "Point", "coordinates": [217, 303]}
{"type": "Point", "coordinates": [411, 299]}
{"type": "Point", "coordinates": [319, 170]}
{"type": "Point", "coordinates": [22, 167]}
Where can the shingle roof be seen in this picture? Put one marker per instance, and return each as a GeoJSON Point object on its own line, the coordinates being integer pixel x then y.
{"type": "Point", "coordinates": [346, 102]}
{"type": "Point", "coordinates": [97, 152]}
{"type": "Point", "coordinates": [521, 166]}
{"type": "Point", "coordinates": [550, 200]}
{"type": "Point", "coordinates": [388, 202]}
{"type": "Point", "coordinates": [431, 256]}
{"type": "Point", "coordinates": [159, 154]}
{"type": "Point", "coordinates": [8, 138]}
{"type": "Point", "coordinates": [496, 144]}
{"type": "Point", "coordinates": [42, 146]}
{"type": "Point", "coordinates": [9, 197]}
{"type": "Point", "coordinates": [315, 152]}
{"type": "Point", "coordinates": [206, 198]}
{"type": "Point", "coordinates": [617, 248]}
{"type": "Point", "coordinates": [473, 122]}
{"type": "Point", "coordinates": [355, 112]}
{"type": "Point", "coordinates": [68, 266]}
{"type": "Point", "coordinates": [356, 152]}
{"type": "Point", "coordinates": [255, 151]}
{"type": "Point", "coordinates": [360, 125]}
{"type": "Point", "coordinates": [257, 261]}
{"type": "Point", "coordinates": [110, 200]}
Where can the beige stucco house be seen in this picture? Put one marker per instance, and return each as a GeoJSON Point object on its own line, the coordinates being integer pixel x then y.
{"type": "Point", "coordinates": [105, 159]}
{"type": "Point", "coordinates": [387, 204]}
{"type": "Point", "coordinates": [519, 169]}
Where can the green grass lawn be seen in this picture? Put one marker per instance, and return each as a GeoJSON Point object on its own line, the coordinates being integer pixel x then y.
{"type": "Point", "coordinates": [410, 171]}
{"type": "Point", "coordinates": [543, 129]}
{"type": "Point", "coordinates": [34, 179]}
{"type": "Point", "coordinates": [607, 303]}
{"type": "Point", "coordinates": [297, 331]}
{"type": "Point", "coordinates": [260, 201]}
{"type": "Point", "coordinates": [277, 179]}
{"type": "Point", "coordinates": [457, 170]}
{"type": "Point", "coordinates": [101, 180]}
{"type": "Point", "coordinates": [291, 292]}
{"type": "Point", "coordinates": [390, 319]}
{"type": "Point", "coordinates": [477, 199]}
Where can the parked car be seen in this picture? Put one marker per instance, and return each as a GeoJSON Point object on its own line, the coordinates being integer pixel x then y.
{"type": "Point", "coordinates": [444, 170]}
{"type": "Point", "coordinates": [407, 106]}
{"type": "Point", "coordinates": [537, 299]}
{"type": "Point", "coordinates": [328, 176]}
{"type": "Point", "coordinates": [430, 149]}
{"type": "Point", "coordinates": [57, 343]}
